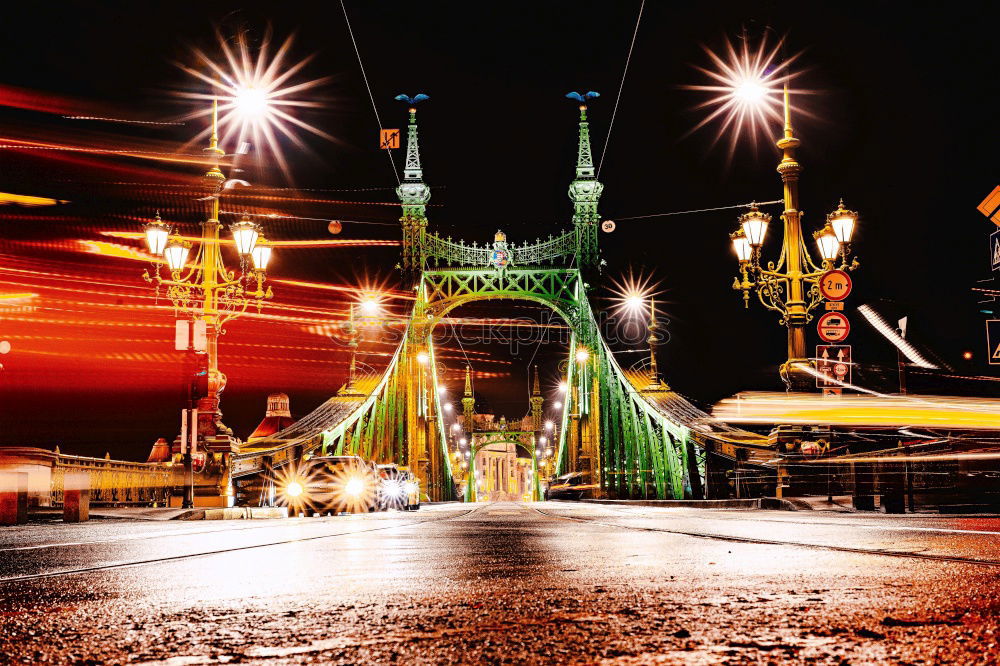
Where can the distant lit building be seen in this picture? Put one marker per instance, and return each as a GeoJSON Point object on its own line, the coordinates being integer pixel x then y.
{"type": "Point", "coordinates": [277, 418]}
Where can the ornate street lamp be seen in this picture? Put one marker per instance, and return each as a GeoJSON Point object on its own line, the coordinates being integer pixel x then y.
{"type": "Point", "coordinates": [828, 244]}
{"type": "Point", "coordinates": [208, 291]}
{"type": "Point", "coordinates": [843, 222]}
{"type": "Point", "coordinates": [157, 233]}
{"type": "Point", "coordinates": [791, 286]}
{"type": "Point", "coordinates": [261, 256]}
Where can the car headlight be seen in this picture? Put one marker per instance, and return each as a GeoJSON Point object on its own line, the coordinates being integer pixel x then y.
{"type": "Point", "coordinates": [412, 486]}
{"type": "Point", "coordinates": [354, 487]}
{"type": "Point", "coordinates": [393, 488]}
{"type": "Point", "coordinates": [294, 489]}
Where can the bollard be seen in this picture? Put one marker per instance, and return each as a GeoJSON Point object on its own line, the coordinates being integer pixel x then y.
{"type": "Point", "coordinates": [76, 498]}
{"type": "Point", "coordinates": [13, 498]}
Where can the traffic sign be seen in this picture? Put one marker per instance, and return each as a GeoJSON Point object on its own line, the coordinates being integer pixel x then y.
{"type": "Point", "coordinates": [608, 226]}
{"type": "Point", "coordinates": [835, 285]}
{"type": "Point", "coordinates": [989, 206]}
{"type": "Point", "coordinates": [388, 138]}
{"type": "Point", "coordinates": [833, 363]}
{"type": "Point", "coordinates": [995, 250]}
{"type": "Point", "coordinates": [993, 341]}
{"type": "Point", "coordinates": [834, 305]}
{"type": "Point", "coordinates": [833, 327]}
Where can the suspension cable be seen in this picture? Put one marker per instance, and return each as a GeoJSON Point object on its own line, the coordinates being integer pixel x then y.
{"type": "Point", "coordinates": [614, 112]}
{"type": "Point", "coordinates": [370, 95]}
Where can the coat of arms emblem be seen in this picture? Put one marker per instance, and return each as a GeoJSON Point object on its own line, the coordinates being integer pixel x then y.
{"type": "Point", "coordinates": [501, 257]}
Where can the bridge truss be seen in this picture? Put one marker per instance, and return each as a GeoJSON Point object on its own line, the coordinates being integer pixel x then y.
{"type": "Point", "coordinates": [635, 437]}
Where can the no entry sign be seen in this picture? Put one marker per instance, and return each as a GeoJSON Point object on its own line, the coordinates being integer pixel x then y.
{"type": "Point", "coordinates": [833, 327]}
{"type": "Point", "coordinates": [835, 285]}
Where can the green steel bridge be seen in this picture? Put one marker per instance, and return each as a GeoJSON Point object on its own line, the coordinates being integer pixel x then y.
{"type": "Point", "coordinates": [628, 429]}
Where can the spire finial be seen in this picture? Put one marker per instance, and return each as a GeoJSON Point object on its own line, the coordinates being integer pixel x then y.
{"type": "Point", "coordinates": [468, 380]}
{"type": "Point", "coordinates": [413, 192]}
{"type": "Point", "coordinates": [535, 388]}
{"type": "Point", "coordinates": [585, 190]}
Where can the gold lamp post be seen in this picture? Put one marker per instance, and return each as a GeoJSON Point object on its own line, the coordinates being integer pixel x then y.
{"type": "Point", "coordinates": [791, 286]}
{"type": "Point", "coordinates": [206, 290]}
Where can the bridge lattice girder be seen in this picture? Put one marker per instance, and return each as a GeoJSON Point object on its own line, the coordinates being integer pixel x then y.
{"type": "Point", "coordinates": [636, 442]}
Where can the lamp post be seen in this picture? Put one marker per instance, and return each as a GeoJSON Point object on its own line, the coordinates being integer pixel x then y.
{"type": "Point", "coordinates": [791, 287]}
{"type": "Point", "coordinates": [207, 291]}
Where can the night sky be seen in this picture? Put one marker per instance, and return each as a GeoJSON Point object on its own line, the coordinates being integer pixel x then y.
{"type": "Point", "coordinates": [900, 128]}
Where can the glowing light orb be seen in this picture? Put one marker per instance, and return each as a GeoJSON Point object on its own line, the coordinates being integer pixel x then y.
{"type": "Point", "coordinates": [251, 103]}
{"type": "Point", "coordinates": [369, 307]}
{"type": "Point", "coordinates": [294, 489]}
{"type": "Point", "coordinates": [750, 91]}
{"type": "Point", "coordinates": [256, 95]}
{"type": "Point", "coordinates": [354, 487]}
{"type": "Point", "coordinates": [335, 227]}
{"type": "Point", "coordinates": [744, 91]}
{"type": "Point", "coordinates": [632, 292]}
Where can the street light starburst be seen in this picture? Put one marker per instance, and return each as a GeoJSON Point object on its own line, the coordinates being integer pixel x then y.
{"type": "Point", "coordinates": [256, 95]}
{"type": "Point", "coordinates": [745, 90]}
{"type": "Point", "coordinates": [631, 294]}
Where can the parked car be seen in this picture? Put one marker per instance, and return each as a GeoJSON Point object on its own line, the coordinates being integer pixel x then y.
{"type": "Point", "coordinates": [572, 486]}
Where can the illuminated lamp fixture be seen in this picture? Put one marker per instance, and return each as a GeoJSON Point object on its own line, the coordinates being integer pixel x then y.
{"type": "Point", "coordinates": [827, 242]}
{"type": "Point", "coordinates": [741, 246]}
{"type": "Point", "coordinates": [157, 233]}
{"type": "Point", "coordinates": [843, 222]}
{"type": "Point", "coordinates": [245, 234]}
{"type": "Point", "coordinates": [176, 253]}
{"type": "Point", "coordinates": [261, 254]}
{"type": "Point", "coordinates": [754, 224]}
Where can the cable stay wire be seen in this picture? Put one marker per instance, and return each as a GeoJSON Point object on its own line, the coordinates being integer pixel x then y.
{"type": "Point", "coordinates": [368, 86]}
{"type": "Point", "coordinates": [621, 86]}
{"type": "Point", "coordinates": [699, 210]}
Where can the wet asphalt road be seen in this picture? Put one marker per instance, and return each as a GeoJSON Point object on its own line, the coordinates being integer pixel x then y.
{"type": "Point", "coordinates": [506, 583]}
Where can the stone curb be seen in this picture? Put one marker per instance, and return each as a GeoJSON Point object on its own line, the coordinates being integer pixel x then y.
{"type": "Point", "coordinates": [235, 513]}
{"type": "Point", "coordinates": [759, 503]}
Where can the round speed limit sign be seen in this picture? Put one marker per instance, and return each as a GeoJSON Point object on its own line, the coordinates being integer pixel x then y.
{"type": "Point", "coordinates": [608, 226]}
{"type": "Point", "coordinates": [835, 285]}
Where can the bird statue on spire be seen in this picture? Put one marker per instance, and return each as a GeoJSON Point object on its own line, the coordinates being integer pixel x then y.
{"type": "Point", "coordinates": [419, 97]}
{"type": "Point", "coordinates": [582, 99]}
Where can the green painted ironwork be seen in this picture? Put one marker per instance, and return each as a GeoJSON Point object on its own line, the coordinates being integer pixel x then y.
{"type": "Point", "coordinates": [636, 437]}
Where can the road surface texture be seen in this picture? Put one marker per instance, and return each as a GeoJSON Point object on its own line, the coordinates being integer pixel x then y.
{"type": "Point", "coordinates": [506, 583]}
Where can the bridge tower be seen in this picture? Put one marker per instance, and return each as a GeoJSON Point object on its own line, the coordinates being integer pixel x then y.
{"type": "Point", "coordinates": [537, 403]}
{"type": "Point", "coordinates": [414, 194]}
{"type": "Point", "coordinates": [585, 193]}
{"type": "Point", "coordinates": [468, 402]}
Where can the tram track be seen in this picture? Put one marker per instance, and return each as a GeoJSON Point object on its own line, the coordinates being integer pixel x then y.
{"type": "Point", "coordinates": [779, 542]}
{"type": "Point", "coordinates": [220, 551]}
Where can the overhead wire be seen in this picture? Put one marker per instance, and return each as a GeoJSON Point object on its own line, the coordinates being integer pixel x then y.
{"type": "Point", "coordinates": [368, 86]}
{"type": "Point", "coordinates": [699, 210]}
{"type": "Point", "coordinates": [621, 86]}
